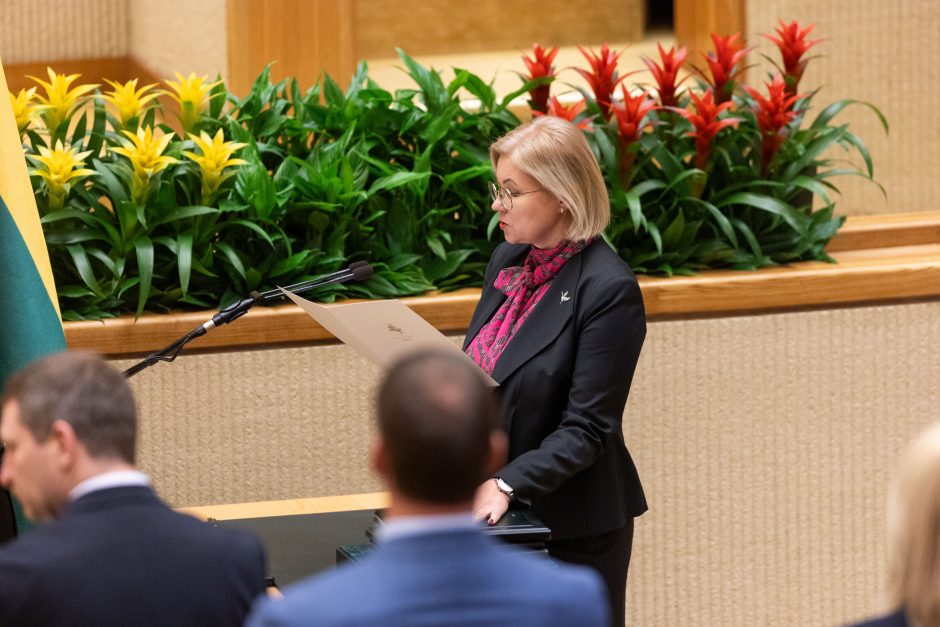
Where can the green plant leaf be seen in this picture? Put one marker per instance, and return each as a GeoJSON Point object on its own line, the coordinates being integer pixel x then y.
{"type": "Point", "coordinates": [436, 247]}
{"type": "Point", "coordinates": [113, 186]}
{"type": "Point", "coordinates": [466, 174]}
{"type": "Point", "coordinates": [724, 224]}
{"type": "Point", "coordinates": [673, 233]}
{"type": "Point", "coordinates": [825, 116]}
{"type": "Point", "coordinates": [234, 261]}
{"type": "Point", "coordinates": [145, 258]}
{"type": "Point", "coordinates": [397, 180]}
{"type": "Point", "coordinates": [84, 269]}
{"type": "Point", "coordinates": [769, 204]}
{"type": "Point", "coordinates": [184, 259]}
{"type": "Point", "coordinates": [248, 225]}
{"type": "Point", "coordinates": [180, 213]}
{"type": "Point", "coordinates": [482, 91]}
{"type": "Point", "coordinates": [435, 94]}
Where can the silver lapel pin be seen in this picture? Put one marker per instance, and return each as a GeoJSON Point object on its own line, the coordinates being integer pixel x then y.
{"type": "Point", "coordinates": [564, 297]}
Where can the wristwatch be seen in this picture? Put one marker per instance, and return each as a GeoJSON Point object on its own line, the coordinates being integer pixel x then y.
{"type": "Point", "coordinates": [504, 487]}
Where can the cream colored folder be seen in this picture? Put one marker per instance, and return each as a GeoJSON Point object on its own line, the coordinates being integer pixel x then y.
{"type": "Point", "coordinates": [379, 330]}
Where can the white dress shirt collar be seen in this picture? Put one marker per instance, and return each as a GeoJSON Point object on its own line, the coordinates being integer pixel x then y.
{"type": "Point", "coordinates": [115, 479]}
{"type": "Point", "coordinates": [415, 525]}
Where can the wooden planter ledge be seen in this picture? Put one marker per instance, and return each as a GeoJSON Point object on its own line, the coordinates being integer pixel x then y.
{"type": "Point", "coordinates": [881, 259]}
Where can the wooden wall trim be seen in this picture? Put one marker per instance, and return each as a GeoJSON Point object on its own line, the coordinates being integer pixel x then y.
{"type": "Point", "coordinates": [695, 20]}
{"type": "Point", "coordinates": [290, 507]}
{"type": "Point", "coordinates": [119, 69]}
{"type": "Point", "coordinates": [301, 37]}
{"type": "Point", "coordinates": [880, 272]}
{"type": "Point", "coordinates": [882, 231]}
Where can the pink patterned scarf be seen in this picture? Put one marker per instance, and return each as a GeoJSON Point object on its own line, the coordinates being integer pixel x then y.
{"type": "Point", "coordinates": [524, 287]}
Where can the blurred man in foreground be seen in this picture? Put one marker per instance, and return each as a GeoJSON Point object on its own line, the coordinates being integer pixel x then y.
{"type": "Point", "coordinates": [113, 553]}
{"type": "Point", "coordinates": [438, 440]}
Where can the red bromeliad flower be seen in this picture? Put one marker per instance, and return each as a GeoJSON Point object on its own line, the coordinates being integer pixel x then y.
{"type": "Point", "coordinates": [773, 113]}
{"type": "Point", "coordinates": [723, 63]}
{"type": "Point", "coordinates": [603, 76]}
{"type": "Point", "coordinates": [631, 115]}
{"type": "Point", "coordinates": [706, 124]}
{"type": "Point", "coordinates": [632, 120]}
{"type": "Point", "coordinates": [793, 45]}
{"type": "Point", "coordinates": [540, 66]}
{"type": "Point", "coordinates": [666, 73]}
{"type": "Point", "coordinates": [567, 112]}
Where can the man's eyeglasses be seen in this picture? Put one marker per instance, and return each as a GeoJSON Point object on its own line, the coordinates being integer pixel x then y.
{"type": "Point", "coordinates": [504, 196]}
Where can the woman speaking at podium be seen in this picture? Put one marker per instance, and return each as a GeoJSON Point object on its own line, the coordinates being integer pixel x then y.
{"type": "Point", "coordinates": [559, 326]}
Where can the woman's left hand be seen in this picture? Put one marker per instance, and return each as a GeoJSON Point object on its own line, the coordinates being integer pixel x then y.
{"type": "Point", "coordinates": [489, 503]}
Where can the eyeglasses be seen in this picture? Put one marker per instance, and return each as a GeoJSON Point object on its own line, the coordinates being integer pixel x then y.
{"type": "Point", "coordinates": [504, 196]}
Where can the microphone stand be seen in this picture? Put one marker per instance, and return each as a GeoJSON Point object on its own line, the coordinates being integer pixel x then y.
{"type": "Point", "coordinates": [357, 271]}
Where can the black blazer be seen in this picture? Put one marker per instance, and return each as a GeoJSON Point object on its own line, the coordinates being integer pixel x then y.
{"type": "Point", "coordinates": [895, 619]}
{"type": "Point", "coordinates": [565, 377]}
{"type": "Point", "coordinates": [120, 556]}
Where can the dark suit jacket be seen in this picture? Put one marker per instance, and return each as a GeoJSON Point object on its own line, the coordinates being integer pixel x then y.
{"type": "Point", "coordinates": [122, 557]}
{"type": "Point", "coordinates": [895, 619]}
{"type": "Point", "coordinates": [453, 578]}
{"type": "Point", "coordinates": [565, 376]}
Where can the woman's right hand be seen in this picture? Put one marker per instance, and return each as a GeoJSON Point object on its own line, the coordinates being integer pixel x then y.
{"type": "Point", "coordinates": [489, 503]}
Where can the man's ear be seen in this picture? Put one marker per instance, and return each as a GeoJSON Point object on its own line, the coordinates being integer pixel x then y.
{"type": "Point", "coordinates": [378, 459]}
{"type": "Point", "coordinates": [65, 442]}
{"type": "Point", "coordinates": [499, 449]}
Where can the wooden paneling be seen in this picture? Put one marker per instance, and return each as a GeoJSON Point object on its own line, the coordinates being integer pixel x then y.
{"type": "Point", "coordinates": [92, 70]}
{"type": "Point", "coordinates": [291, 507]}
{"type": "Point", "coordinates": [421, 27]}
{"type": "Point", "coordinates": [695, 20]}
{"type": "Point", "coordinates": [302, 37]}
{"type": "Point", "coordinates": [882, 231]}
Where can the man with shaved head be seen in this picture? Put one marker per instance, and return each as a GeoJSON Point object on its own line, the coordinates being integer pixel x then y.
{"type": "Point", "coordinates": [438, 440]}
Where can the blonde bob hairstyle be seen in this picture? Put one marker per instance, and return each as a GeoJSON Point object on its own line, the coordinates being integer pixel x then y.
{"type": "Point", "coordinates": [914, 531]}
{"type": "Point", "coordinates": [555, 153]}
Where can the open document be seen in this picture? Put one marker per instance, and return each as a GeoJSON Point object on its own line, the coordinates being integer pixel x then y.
{"type": "Point", "coordinates": [379, 330]}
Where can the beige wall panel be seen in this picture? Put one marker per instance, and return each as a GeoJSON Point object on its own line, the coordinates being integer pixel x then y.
{"type": "Point", "coordinates": [886, 53]}
{"type": "Point", "coordinates": [253, 426]}
{"type": "Point", "coordinates": [765, 444]}
{"type": "Point", "coordinates": [179, 35]}
{"type": "Point", "coordinates": [54, 30]}
{"type": "Point", "coordinates": [423, 27]}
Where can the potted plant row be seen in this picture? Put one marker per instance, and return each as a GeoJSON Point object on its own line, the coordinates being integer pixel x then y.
{"type": "Point", "coordinates": [153, 207]}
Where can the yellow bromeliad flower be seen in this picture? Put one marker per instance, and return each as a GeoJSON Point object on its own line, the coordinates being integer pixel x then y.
{"type": "Point", "coordinates": [216, 156]}
{"type": "Point", "coordinates": [24, 109]}
{"type": "Point", "coordinates": [145, 152]}
{"type": "Point", "coordinates": [129, 101]}
{"type": "Point", "coordinates": [60, 99]}
{"type": "Point", "coordinates": [60, 168]}
{"type": "Point", "coordinates": [192, 94]}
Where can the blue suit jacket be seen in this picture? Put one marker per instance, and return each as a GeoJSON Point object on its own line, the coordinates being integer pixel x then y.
{"type": "Point", "coordinates": [565, 376]}
{"type": "Point", "coordinates": [453, 578]}
{"type": "Point", "coordinates": [122, 557]}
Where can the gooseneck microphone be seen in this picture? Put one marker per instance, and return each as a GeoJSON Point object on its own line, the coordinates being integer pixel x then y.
{"type": "Point", "coordinates": [356, 271]}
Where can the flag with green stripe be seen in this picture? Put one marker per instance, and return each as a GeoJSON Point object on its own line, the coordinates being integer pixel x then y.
{"type": "Point", "coordinates": [30, 323]}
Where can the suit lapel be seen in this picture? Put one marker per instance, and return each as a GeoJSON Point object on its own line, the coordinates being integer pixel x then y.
{"type": "Point", "coordinates": [544, 323]}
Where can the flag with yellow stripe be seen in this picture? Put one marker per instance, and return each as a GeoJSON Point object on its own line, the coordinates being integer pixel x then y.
{"type": "Point", "coordinates": [30, 323]}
